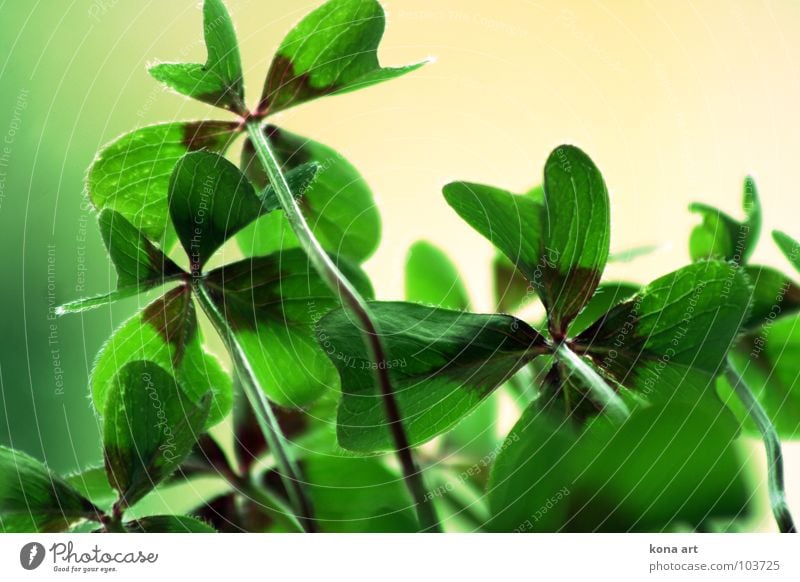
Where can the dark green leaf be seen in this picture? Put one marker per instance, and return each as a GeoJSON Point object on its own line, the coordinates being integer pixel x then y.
{"type": "Point", "coordinates": [210, 200]}
{"type": "Point", "coordinates": [338, 204]}
{"type": "Point", "coordinates": [139, 263]}
{"type": "Point", "coordinates": [671, 338]}
{"type": "Point", "coordinates": [720, 236]}
{"type": "Point", "coordinates": [773, 295]}
{"type": "Point", "coordinates": [33, 499]}
{"type": "Point", "coordinates": [149, 427]}
{"type": "Point", "coordinates": [358, 495]}
{"type": "Point", "coordinates": [168, 524]}
{"type": "Point", "coordinates": [442, 365]}
{"type": "Point", "coordinates": [332, 50]}
{"type": "Point", "coordinates": [166, 333]}
{"type": "Point", "coordinates": [431, 278]}
{"type": "Point", "coordinates": [789, 247]}
{"type": "Point", "coordinates": [575, 233]}
{"type": "Point", "coordinates": [666, 466]}
{"type": "Point", "coordinates": [767, 360]}
{"type": "Point", "coordinates": [219, 81]}
{"type": "Point", "coordinates": [272, 304]}
{"type": "Point", "coordinates": [131, 175]}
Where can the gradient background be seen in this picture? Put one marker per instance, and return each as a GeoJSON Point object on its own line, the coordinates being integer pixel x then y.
{"type": "Point", "coordinates": [674, 100]}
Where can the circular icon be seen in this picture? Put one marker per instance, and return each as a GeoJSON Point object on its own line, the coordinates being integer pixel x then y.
{"type": "Point", "coordinates": [31, 555]}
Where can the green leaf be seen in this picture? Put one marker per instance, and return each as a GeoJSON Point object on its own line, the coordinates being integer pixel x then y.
{"type": "Point", "coordinates": [272, 304]}
{"type": "Point", "coordinates": [139, 263]}
{"type": "Point", "coordinates": [93, 484]}
{"type": "Point", "coordinates": [210, 200]}
{"type": "Point", "coordinates": [149, 427]}
{"type": "Point", "coordinates": [511, 222]}
{"type": "Point", "coordinates": [532, 477]}
{"type": "Point", "coordinates": [720, 236]}
{"type": "Point", "coordinates": [219, 81]}
{"type": "Point", "coordinates": [773, 295]}
{"type": "Point", "coordinates": [442, 365]}
{"type": "Point", "coordinates": [431, 278]}
{"type": "Point", "coordinates": [33, 499]}
{"type": "Point", "coordinates": [575, 232]}
{"type": "Point", "coordinates": [131, 174]}
{"type": "Point", "coordinates": [358, 495]}
{"type": "Point", "coordinates": [607, 296]}
{"type": "Point", "coordinates": [476, 435]}
{"type": "Point", "coordinates": [558, 239]}
{"type": "Point", "coordinates": [333, 50]}
{"type": "Point", "coordinates": [672, 337]}
{"type": "Point", "coordinates": [629, 255]}
{"type": "Point", "coordinates": [668, 465]}
{"type": "Point", "coordinates": [338, 204]}
{"type": "Point", "coordinates": [165, 333]}
{"type": "Point", "coordinates": [767, 360]}
{"type": "Point", "coordinates": [168, 524]}
{"type": "Point", "coordinates": [789, 247]}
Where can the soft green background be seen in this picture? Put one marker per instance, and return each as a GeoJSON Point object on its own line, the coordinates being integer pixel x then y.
{"type": "Point", "coordinates": [675, 101]}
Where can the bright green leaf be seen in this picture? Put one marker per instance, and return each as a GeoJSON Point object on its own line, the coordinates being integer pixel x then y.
{"type": "Point", "coordinates": [333, 50]}
{"type": "Point", "coordinates": [672, 337]}
{"type": "Point", "coordinates": [442, 365]}
{"type": "Point", "coordinates": [767, 360]}
{"type": "Point", "coordinates": [720, 236]}
{"type": "Point", "coordinates": [166, 333]}
{"type": "Point", "coordinates": [338, 205]}
{"type": "Point", "coordinates": [607, 296]}
{"type": "Point", "coordinates": [666, 466]}
{"type": "Point", "coordinates": [131, 174]}
{"type": "Point", "coordinates": [219, 81]}
{"type": "Point", "coordinates": [789, 247]}
{"type": "Point", "coordinates": [149, 427]}
{"type": "Point", "coordinates": [432, 279]}
{"type": "Point", "coordinates": [510, 222]}
{"type": "Point", "coordinates": [272, 303]}
{"type": "Point", "coordinates": [33, 499]}
{"type": "Point", "coordinates": [358, 495]}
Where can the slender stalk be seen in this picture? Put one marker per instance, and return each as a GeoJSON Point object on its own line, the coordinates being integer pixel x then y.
{"type": "Point", "coordinates": [353, 301]}
{"type": "Point", "coordinates": [772, 444]}
{"type": "Point", "coordinates": [612, 404]}
{"type": "Point", "coordinates": [268, 502]}
{"type": "Point", "coordinates": [290, 473]}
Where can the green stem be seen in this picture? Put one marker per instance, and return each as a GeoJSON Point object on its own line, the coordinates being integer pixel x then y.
{"type": "Point", "coordinates": [353, 301]}
{"type": "Point", "coordinates": [290, 473]}
{"type": "Point", "coordinates": [612, 404]}
{"type": "Point", "coordinates": [772, 444]}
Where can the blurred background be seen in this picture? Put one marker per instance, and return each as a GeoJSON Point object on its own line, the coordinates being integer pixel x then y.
{"type": "Point", "coordinates": [674, 100]}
